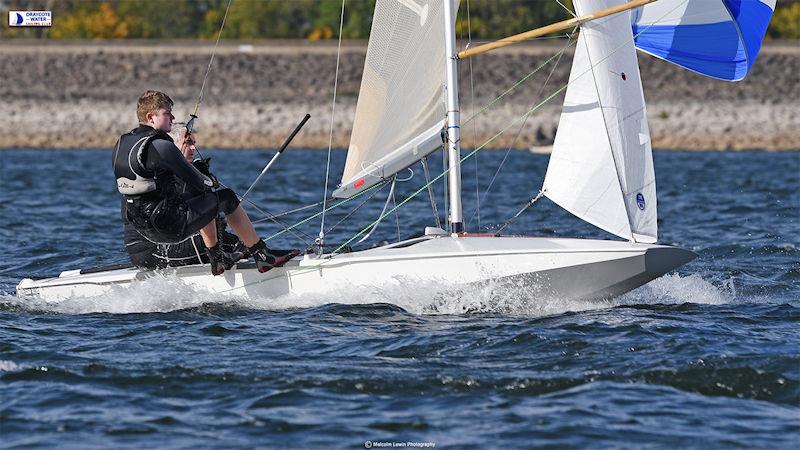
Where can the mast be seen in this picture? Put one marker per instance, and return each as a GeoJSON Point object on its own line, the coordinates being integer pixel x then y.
{"type": "Point", "coordinates": [453, 119]}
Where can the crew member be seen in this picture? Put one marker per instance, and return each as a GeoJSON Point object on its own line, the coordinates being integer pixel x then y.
{"type": "Point", "coordinates": [147, 163]}
{"type": "Point", "coordinates": [147, 254]}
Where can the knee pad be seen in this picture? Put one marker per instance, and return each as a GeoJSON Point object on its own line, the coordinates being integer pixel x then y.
{"type": "Point", "coordinates": [228, 201]}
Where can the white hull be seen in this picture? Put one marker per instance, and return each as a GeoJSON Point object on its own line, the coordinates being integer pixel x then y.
{"type": "Point", "coordinates": [542, 267]}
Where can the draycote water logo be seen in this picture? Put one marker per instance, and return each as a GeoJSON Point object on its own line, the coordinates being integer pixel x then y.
{"type": "Point", "coordinates": [30, 18]}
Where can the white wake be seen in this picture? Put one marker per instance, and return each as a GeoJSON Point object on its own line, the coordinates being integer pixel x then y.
{"type": "Point", "coordinates": [168, 293]}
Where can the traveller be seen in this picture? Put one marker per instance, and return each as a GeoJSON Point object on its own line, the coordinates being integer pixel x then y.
{"type": "Point", "coordinates": [150, 169]}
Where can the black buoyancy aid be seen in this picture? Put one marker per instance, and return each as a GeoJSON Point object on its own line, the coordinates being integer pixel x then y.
{"type": "Point", "coordinates": [130, 154]}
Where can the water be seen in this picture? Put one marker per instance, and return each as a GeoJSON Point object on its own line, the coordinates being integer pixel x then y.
{"type": "Point", "coordinates": [706, 356]}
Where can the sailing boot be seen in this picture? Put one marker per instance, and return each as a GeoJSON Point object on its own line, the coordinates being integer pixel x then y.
{"type": "Point", "coordinates": [220, 260]}
{"type": "Point", "coordinates": [268, 258]}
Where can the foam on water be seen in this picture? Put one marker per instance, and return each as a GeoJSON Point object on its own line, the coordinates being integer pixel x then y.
{"type": "Point", "coordinates": [160, 293]}
{"type": "Point", "coordinates": [675, 289]}
{"type": "Point", "coordinates": [166, 293]}
{"type": "Point", "coordinates": [8, 366]}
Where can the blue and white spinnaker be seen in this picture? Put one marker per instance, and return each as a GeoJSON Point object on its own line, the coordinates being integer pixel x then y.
{"type": "Point", "coordinates": [717, 38]}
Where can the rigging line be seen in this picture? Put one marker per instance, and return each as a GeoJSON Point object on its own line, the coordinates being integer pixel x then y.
{"type": "Point", "coordinates": [446, 170]}
{"type": "Point", "coordinates": [291, 211]}
{"type": "Point", "coordinates": [523, 209]}
{"type": "Point", "coordinates": [355, 209]}
{"type": "Point", "coordinates": [566, 9]}
{"type": "Point", "coordinates": [424, 162]}
{"type": "Point", "coordinates": [336, 205]}
{"type": "Point", "coordinates": [305, 236]}
{"type": "Point", "coordinates": [540, 38]}
{"type": "Point", "coordinates": [396, 216]}
{"type": "Point", "coordinates": [518, 83]}
{"type": "Point", "coordinates": [472, 107]}
{"type": "Point", "coordinates": [211, 60]}
{"type": "Point", "coordinates": [330, 137]}
{"type": "Point", "coordinates": [197, 251]}
{"type": "Point", "coordinates": [519, 131]}
{"type": "Point", "coordinates": [382, 214]}
{"type": "Point", "coordinates": [271, 217]}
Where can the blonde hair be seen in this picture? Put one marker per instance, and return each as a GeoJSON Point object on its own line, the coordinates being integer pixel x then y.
{"type": "Point", "coordinates": [151, 102]}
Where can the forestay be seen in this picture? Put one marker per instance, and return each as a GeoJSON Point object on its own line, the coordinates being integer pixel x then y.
{"type": "Point", "coordinates": [601, 168]}
{"type": "Point", "coordinates": [400, 110]}
{"type": "Point", "coordinates": [717, 38]}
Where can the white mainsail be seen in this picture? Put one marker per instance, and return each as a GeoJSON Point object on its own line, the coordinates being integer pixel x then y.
{"type": "Point", "coordinates": [601, 168]}
{"type": "Point", "coordinates": [400, 111]}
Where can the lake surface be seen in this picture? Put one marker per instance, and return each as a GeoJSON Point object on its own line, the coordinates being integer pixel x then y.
{"type": "Point", "coordinates": [708, 356]}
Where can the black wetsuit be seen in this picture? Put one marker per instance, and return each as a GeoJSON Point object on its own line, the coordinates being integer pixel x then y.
{"type": "Point", "coordinates": [167, 213]}
{"type": "Point", "coordinates": [149, 255]}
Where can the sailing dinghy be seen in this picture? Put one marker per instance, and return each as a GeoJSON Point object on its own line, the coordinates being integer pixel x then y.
{"type": "Point", "coordinates": [601, 168]}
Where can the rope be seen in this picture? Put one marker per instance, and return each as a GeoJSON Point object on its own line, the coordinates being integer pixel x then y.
{"type": "Point", "coordinates": [381, 215]}
{"type": "Point", "coordinates": [291, 211]}
{"type": "Point", "coordinates": [523, 209]}
{"type": "Point", "coordinates": [272, 217]}
{"type": "Point", "coordinates": [519, 131]}
{"type": "Point", "coordinates": [424, 162]}
{"type": "Point", "coordinates": [472, 108]}
{"type": "Point", "coordinates": [355, 209]}
{"type": "Point", "coordinates": [330, 137]}
{"type": "Point", "coordinates": [566, 9]}
{"type": "Point", "coordinates": [514, 86]}
{"type": "Point", "coordinates": [210, 61]}
{"type": "Point", "coordinates": [314, 216]}
{"type": "Point", "coordinates": [197, 251]}
{"type": "Point", "coordinates": [305, 236]}
{"type": "Point", "coordinates": [396, 215]}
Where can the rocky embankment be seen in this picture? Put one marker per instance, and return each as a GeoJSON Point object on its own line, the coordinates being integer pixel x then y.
{"type": "Point", "coordinates": [62, 95]}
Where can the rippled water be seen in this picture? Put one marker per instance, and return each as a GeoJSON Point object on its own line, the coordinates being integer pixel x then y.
{"type": "Point", "coordinates": [707, 356]}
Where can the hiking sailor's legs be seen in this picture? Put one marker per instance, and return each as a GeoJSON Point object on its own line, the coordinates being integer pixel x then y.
{"type": "Point", "coordinates": [209, 234]}
{"type": "Point", "coordinates": [242, 226]}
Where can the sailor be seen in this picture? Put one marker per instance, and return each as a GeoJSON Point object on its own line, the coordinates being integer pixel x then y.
{"type": "Point", "coordinates": [147, 254]}
{"type": "Point", "coordinates": [149, 166]}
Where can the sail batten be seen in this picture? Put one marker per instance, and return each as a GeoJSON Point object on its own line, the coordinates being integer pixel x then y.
{"type": "Point", "coordinates": [601, 167]}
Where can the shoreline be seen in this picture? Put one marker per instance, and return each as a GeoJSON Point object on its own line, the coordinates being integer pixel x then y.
{"type": "Point", "coordinates": [258, 91]}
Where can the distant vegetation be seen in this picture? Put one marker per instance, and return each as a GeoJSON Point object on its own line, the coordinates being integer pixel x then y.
{"type": "Point", "coordinates": [291, 19]}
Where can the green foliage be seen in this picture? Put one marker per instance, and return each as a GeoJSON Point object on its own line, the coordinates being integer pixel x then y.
{"type": "Point", "coordinates": [785, 22]}
{"type": "Point", "coordinates": [293, 19]}
{"type": "Point", "coordinates": [491, 19]}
